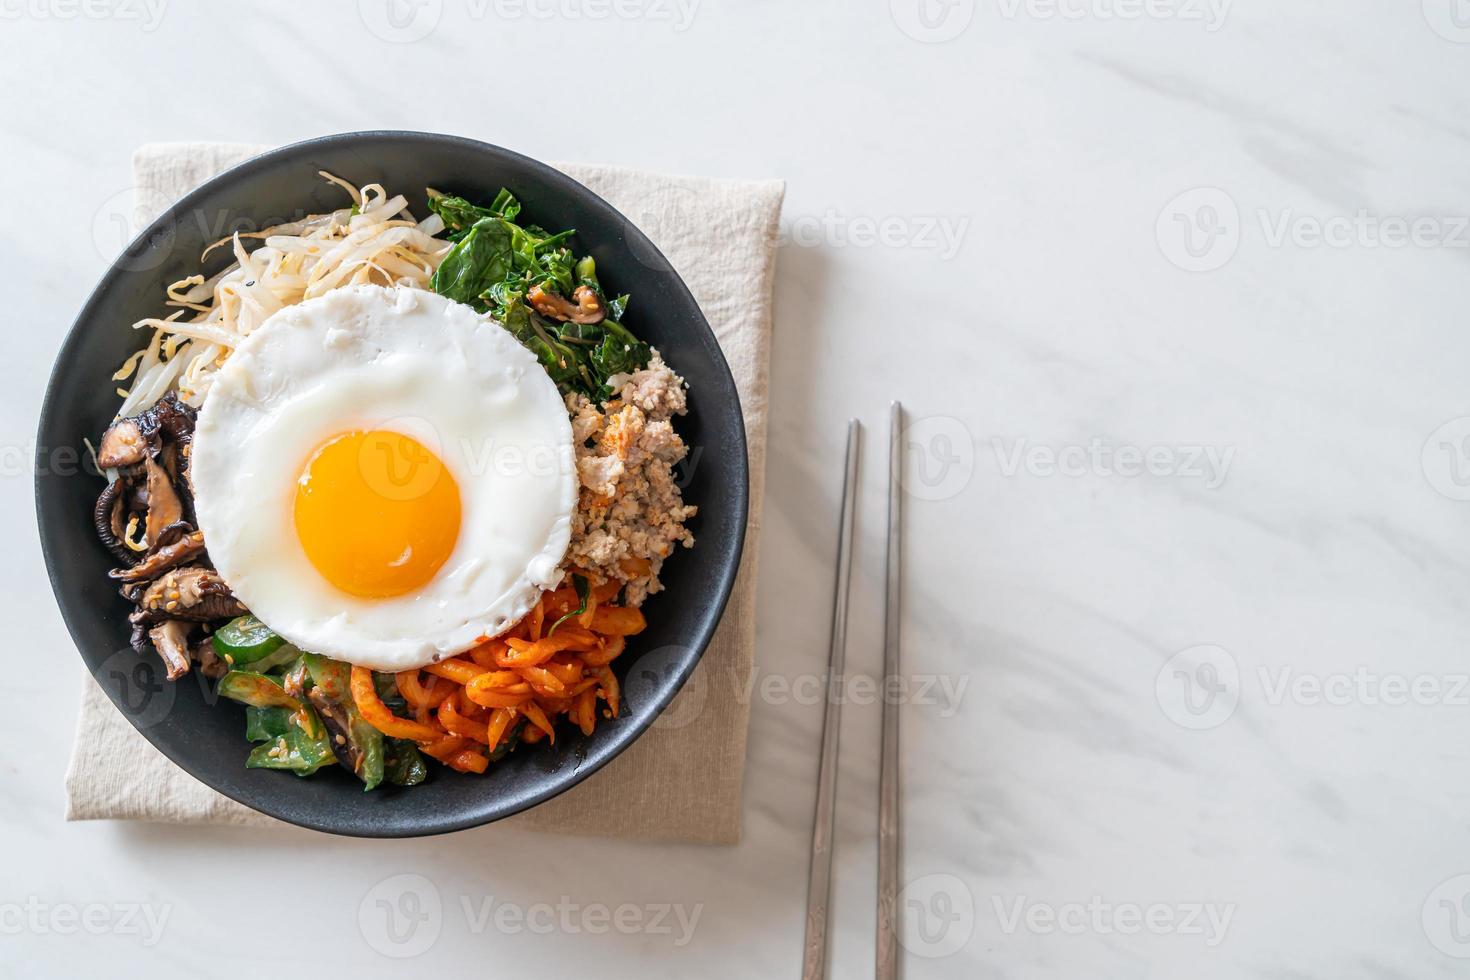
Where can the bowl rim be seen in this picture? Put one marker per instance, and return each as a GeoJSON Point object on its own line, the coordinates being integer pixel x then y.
{"type": "Point", "coordinates": [738, 501]}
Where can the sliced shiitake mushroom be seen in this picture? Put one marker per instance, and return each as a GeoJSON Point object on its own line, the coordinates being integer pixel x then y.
{"type": "Point", "coordinates": [165, 509]}
{"type": "Point", "coordinates": [171, 640]}
{"type": "Point", "coordinates": [183, 549]}
{"type": "Point", "coordinates": [584, 306]}
{"type": "Point", "coordinates": [124, 444]}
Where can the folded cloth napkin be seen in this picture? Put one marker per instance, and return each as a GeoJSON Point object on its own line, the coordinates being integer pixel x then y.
{"type": "Point", "coordinates": [678, 781]}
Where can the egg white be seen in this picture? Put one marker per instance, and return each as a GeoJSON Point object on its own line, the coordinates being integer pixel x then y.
{"type": "Point", "coordinates": [402, 360]}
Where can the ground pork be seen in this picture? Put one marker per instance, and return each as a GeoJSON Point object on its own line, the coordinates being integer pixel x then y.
{"type": "Point", "coordinates": [631, 513]}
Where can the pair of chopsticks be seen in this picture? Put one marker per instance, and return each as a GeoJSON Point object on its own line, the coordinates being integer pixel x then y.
{"type": "Point", "coordinates": [819, 882]}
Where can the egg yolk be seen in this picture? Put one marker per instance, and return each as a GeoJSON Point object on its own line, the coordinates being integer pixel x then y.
{"type": "Point", "coordinates": [377, 513]}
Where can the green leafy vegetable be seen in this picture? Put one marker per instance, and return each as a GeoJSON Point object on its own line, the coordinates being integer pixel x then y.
{"type": "Point", "coordinates": [459, 215]}
{"type": "Point", "coordinates": [403, 764]}
{"type": "Point", "coordinates": [512, 738]}
{"type": "Point", "coordinates": [494, 265]}
{"type": "Point", "coordinates": [387, 687]}
{"type": "Point", "coordinates": [480, 260]}
{"type": "Point", "coordinates": [584, 593]}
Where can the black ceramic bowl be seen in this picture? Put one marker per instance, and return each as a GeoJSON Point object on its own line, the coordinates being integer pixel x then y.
{"type": "Point", "coordinates": [205, 735]}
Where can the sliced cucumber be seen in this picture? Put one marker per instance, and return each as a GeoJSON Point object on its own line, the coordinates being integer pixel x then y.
{"type": "Point", "coordinates": [256, 690]}
{"type": "Point", "coordinates": [246, 640]}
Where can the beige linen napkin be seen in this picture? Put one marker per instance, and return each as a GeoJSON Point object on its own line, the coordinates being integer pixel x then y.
{"type": "Point", "coordinates": [680, 781]}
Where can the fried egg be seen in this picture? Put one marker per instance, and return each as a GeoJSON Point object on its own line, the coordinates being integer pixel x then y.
{"type": "Point", "coordinates": [383, 476]}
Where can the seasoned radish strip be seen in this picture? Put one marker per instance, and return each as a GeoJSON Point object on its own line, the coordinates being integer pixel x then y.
{"type": "Point", "coordinates": [376, 713]}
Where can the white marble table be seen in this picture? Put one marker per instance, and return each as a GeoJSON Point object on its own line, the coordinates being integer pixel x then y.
{"type": "Point", "coordinates": [1179, 290]}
